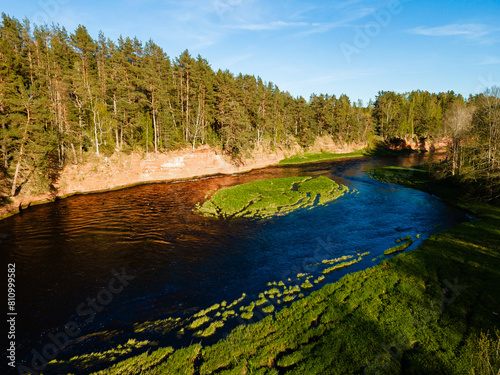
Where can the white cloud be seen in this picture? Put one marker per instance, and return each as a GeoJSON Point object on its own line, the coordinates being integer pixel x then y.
{"type": "Point", "coordinates": [347, 20]}
{"type": "Point", "coordinates": [274, 25]}
{"type": "Point", "coordinates": [470, 30]}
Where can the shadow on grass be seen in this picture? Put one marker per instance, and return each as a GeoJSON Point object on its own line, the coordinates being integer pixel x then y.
{"type": "Point", "coordinates": [392, 147]}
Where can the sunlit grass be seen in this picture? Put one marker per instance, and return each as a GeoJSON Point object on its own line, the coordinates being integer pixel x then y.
{"type": "Point", "coordinates": [314, 157]}
{"type": "Point", "coordinates": [263, 199]}
{"type": "Point", "coordinates": [401, 247]}
{"type": "Point", "coordinates": [339, 266]}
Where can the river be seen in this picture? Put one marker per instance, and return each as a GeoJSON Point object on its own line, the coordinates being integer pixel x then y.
{"type": "Point", "coordinates": [175, 262]}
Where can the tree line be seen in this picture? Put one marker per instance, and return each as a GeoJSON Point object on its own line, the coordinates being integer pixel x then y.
{"type": "Point", "coordinates": [64, 96]}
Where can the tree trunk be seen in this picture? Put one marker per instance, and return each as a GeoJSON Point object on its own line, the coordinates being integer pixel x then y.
{"type": "Point", "coordinates": [4, 149]}
{"type": "Point", "coordinates": [117, 140]}
{"type": "Point", "coordinates": [187, 106]}
{"type": "Point", "coordinates": [74, 152]}
{"type": "Point", "coordinates": [155, 130]}
{"type": "Point", "coordinates": [21, 151]}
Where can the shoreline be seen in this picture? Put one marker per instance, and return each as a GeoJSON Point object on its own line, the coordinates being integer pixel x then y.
{"type": "Point", "coordinates": [104, 174]}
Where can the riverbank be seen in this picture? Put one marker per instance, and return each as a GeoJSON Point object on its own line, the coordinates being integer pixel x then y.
{"type": "Point", "coordinates": [322, 156]}
{"type": "Point", "coordinates": [432, 310]}
{"type": "Point", "coordinates": [120, 170]}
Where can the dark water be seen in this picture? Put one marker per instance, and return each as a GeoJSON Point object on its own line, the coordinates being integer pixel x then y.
{"type": "Point", "coordinates": [66, 252]}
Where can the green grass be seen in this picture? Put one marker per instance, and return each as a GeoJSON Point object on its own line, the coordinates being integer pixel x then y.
{"type": "Point", "coordinates": [306, 285]}
{"type": "Point", "coordinates": [407, 238]}
{"type": "Point", "coordinates": [206, 311]}
{"type": "Point", "coordinates": [164, 326]}
{"type": "Point", "coordinates": [261, 301]}
{"type": "Point", "coordinates": [319, 279]}
{"type": "Point", "coordinates": [398, 248]}
{"type": "Point", "coordinates": [339, 266]}
{"type": "Point", "coordinates": [106, 356]}
{"type": "Point", "coordinates": [263, 199]}
{"type": "Point", "coordinates": [336, 260]}
{"type": "Point", "coordinates": [323, 156]}
{"type": "Point", "coordinates": [410, 177]}
{"type": "Point", "coordinates": [268, 309]}
{"type": "Point", "coordinates": [326, 156]}
{"type": "Point", "coordinates": [210, 330]}
{"type": "Point", "coordinates": [247, 315]}
{"type": "Point", "coordinates": [199, 322]}
{"type": "Point", "coordinates": [227, 313]}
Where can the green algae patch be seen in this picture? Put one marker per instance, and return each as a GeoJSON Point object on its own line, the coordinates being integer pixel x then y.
{"type": "Point", "coordinates": [206, 311]}
{"type": "Point", "coordinates": [306, 285]}
{"type": "Point", "coordinates": [210, 330]}
{"type": "Point", "coordinates": [339, 266]}
{"type": "Point", "coordinates": [164, 325]}
{"type": "Point", "coordinates": [199, 322]}
{"type": "Point", "coordinates": [398, 248]}
{"type": "Point", "coordinates": [267, 198]}
{"type": "Point", "coordinates": [97, 358]}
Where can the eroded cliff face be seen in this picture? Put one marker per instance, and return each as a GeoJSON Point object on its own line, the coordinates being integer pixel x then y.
{"type": "Point", "coordinates": [120, 170]}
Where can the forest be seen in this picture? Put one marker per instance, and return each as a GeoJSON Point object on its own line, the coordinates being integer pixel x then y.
{"type": "Point", "coordinates": [65, 96]}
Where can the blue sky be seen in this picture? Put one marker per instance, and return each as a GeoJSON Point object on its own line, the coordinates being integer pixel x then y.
{"type": "Point", "coordinates": [353, 47]}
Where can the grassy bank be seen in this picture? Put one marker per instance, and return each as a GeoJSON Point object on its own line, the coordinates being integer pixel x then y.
{"type": "Point", "coordinates": [378, 150]}
{"type": "Point", "coordinates": [322, 156]}
{"type": "Point", "coordinates": [271, 197]}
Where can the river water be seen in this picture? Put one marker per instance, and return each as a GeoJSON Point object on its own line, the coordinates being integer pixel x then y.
{"type": "Point", "coordinates": [67, 252]}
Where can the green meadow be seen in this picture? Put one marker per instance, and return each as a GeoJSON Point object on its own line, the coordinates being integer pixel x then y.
{"type": "Point", "coordinates": [322, 156]}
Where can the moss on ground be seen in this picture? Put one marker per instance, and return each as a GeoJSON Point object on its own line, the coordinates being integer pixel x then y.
{"type": "Point", "coordinates": [263, 199]}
